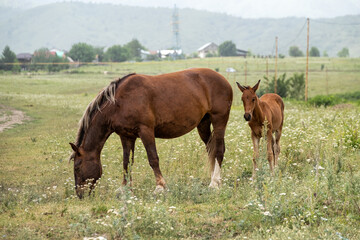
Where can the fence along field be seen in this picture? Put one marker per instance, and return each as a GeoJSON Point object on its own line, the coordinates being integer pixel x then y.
{"type": "Point", "coordinates": [314, 192]}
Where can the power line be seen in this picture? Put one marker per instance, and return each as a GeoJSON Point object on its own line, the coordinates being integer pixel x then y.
{"type": "Point", "coordinates": [335, 23]}
{"type": "Point", "coordinates": [297, 36]}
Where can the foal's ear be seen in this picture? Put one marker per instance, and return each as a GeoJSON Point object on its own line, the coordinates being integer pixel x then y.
{"type": "Point", "coordinates": [256, 86]}
{"type": "Point", "coordinates": [240, 87]}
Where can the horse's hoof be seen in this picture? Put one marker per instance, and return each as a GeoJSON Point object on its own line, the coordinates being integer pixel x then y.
{"type": "Point", "coordinates": [159, 189]}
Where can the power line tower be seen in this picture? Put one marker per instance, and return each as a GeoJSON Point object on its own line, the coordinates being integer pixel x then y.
{"type": "Point", "coordinates": [176, 31]}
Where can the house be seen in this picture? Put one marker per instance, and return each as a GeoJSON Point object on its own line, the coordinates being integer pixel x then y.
{"type": "Point", "coordinates": [58, 53]}
{"type": "Point", "coordinates": [169, 53]}
{"type": "Point", "coordinates": [209, 48]}
{"type": "Point", "coordinates": [24, 59]}
{"type": "Point", "coordinates": [241, 53]}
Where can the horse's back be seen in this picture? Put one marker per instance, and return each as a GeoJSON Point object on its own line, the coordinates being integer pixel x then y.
{"type": "Point", "coordinates": [175, 103]}
{"type": "Point", "coordinates": [276, 106]}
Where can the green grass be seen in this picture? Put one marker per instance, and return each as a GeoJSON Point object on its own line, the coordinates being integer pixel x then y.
{"type": "Point", "coordinates": [314, 193]}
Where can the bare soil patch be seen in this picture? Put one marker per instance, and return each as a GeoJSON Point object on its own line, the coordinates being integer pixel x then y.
{"type": "Point", "coordinates": [9, 117]}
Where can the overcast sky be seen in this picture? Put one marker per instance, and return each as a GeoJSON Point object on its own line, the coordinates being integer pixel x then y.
{"type": "Point", "coordinates": [257, 8]}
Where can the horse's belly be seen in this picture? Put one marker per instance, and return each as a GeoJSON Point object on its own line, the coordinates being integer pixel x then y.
{"type": "Point", "coordinates": [174, 129]}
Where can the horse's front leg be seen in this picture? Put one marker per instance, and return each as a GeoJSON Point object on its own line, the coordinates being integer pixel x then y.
{"type": "Point", "coordinates": [255, 139]}
{"type": "Point", "coordinates": [128, 145]}
{"type": "Point", "coordinates": [148, 138]}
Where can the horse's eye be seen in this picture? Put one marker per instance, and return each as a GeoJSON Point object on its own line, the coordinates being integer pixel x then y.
{"type": "Point", "coordinates": [253, 99]}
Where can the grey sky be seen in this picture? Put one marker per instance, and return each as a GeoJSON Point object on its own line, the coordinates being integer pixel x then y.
{"type": "Point", "coordinates": [257, 8]}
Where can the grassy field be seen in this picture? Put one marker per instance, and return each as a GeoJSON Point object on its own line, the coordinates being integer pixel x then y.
{"type": "Point", "coordinates": [314, 193]}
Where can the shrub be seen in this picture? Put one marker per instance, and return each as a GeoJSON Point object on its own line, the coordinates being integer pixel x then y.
{"type": "Point", "coordinates": [325, 100]}
{"type": "Point", "coordinates": [297, 86]}
{"type": "Point", "coordinates": [282, 86]}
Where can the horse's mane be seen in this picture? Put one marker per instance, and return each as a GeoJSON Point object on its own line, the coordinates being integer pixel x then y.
{"type": "Point", "coordinates": [106, 95]}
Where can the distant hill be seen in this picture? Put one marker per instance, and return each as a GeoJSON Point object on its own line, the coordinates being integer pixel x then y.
{"type": "Point", "coordinates": [62, 24]}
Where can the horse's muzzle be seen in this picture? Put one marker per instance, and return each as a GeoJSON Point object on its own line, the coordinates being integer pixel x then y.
{"type": "Point", "coordinates": [80, 192]}
{"type": "Point", "coordinates": [247, 116]}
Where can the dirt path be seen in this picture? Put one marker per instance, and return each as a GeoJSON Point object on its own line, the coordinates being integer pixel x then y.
{"type": "Point", "coordinates": [9, 117]}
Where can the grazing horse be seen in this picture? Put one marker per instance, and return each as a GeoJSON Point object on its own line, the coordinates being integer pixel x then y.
{"type": "Point", "coordinates": [270, 108]}
{"type": "Point", "coordinates": [148, 107]}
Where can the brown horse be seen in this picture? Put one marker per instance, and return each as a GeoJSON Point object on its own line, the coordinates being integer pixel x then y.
{"type": "Point", "coordinates": [149, 107]}
{"type": "Point", "coordinates": [270, 108]}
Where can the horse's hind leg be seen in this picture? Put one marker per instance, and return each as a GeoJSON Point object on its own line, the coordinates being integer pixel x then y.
{"type": "Point", "coordinates": [148, 138]}
{"type": "Point", "coordinates": [128, 145]}
{"type": "Point", "coordinates": [217, 146]}
{"type": "Point", "coordinates": [205, 135]}
{"type": "Point", "coordinates": [270, 146]}
{"type": "Point", "coordinates": [277, 146]}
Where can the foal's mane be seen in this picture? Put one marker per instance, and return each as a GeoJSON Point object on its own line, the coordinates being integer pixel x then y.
{"type": "Point", "coordinates": [106, 95]}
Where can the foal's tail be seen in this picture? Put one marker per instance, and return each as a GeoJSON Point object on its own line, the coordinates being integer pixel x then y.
{"type": "Point", "coordinates": [211, 149]}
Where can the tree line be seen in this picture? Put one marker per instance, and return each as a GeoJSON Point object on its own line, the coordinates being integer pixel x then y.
{"type": "Point", "coordinates": [131, 51]}
{"type": "Point", "coordinates": [81, 52]}
{"type": "Point", "coordinates": [294, 51]}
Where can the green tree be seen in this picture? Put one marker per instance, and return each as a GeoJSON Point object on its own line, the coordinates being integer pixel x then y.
{"type": "Point", "coordinates": [134, 49]}
{"type": "Point", "coordinates": [227, 48]}
{"type": "Point", "coordinates": [82, 52]}
{"type": "Point", "coordinates": [325, 54]}
{"type": "Point", "coordinates": [99, 53]}
{"type": "Point", "coordinates": [116, 53]}
{"type": "Point", "coordinates": [9, 57]}
{"type": "Point", "coordinates": [344, 52]}
{"type": "Point", "coordinates": [314, 52]}
{"type": "Point", "coordinates": [294, 51]}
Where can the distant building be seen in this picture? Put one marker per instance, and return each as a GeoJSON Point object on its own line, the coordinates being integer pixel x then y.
{"type": "Point", "coordinates": [209, 48]}
{"type": "Point", "coordinates": [58, 53]}
{"type": "Point", "coordinates": [241, 53]}
{"type": "Point", "coordinates": [169, 53]}
{"type": "Point", "coordinates": [24, 59]}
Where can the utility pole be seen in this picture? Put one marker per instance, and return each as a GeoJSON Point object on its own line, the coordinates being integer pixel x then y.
{"type": "Point", "coordinates": [307, 61]}
{"type": "Point", "coordinates": [176, 32]}
{"type": "Point", "coordinates": [267, 67]}
{"type": "Point", "coordinates": [327, 82]}
{"type": "Point", "coordinates": [245, 71]}
{"type": "Point", "coordinates": [276, 56]}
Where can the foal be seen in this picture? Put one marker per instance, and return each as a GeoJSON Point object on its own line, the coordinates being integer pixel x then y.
{"type": "Point", "coordinates": [270, 108]}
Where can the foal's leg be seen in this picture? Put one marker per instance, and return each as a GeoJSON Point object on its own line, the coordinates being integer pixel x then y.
{"type": "Point", "coordinates": [270, 152]}
{"type": "Point", "coordinates": [148, 138]}
{"type": "Point", "coordinates": [128, 145]}
{"type": "Point", "coordinates": [255, 141]}
{"type": "Point", "coordinates": [277, 145]}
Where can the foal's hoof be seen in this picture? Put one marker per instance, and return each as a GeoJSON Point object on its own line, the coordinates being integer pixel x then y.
{"type": "Point", "coordinates": [215, 184]}
{"type": "Point", "coordinates": [159, 189]}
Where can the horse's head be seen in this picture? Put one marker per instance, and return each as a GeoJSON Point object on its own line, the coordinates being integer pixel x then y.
{"type": "Point", "coordinates": [87, 169]}
{"type": "Point", "coordinates": [249, 99]}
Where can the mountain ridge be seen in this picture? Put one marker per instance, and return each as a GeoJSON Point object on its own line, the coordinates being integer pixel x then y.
{"type": "Point", "coordinates": [62, 24]}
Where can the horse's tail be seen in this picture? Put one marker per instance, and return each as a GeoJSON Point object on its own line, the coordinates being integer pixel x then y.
{"type": "Point", "coordinates": [211, 149]}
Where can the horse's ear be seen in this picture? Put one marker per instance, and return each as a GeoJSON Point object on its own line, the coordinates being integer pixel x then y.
{"type": "Point", "coordinates": [74, 147]}
{"type": "Point", "coordinates": [240, 87]}
{"type": "Point", "coordinates": [256, 86]}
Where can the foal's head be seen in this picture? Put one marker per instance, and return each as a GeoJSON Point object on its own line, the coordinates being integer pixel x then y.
{"type": "Point", "coordinates": [249, 99]}
{"type": "Point", "coordinates": [87, 169]}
